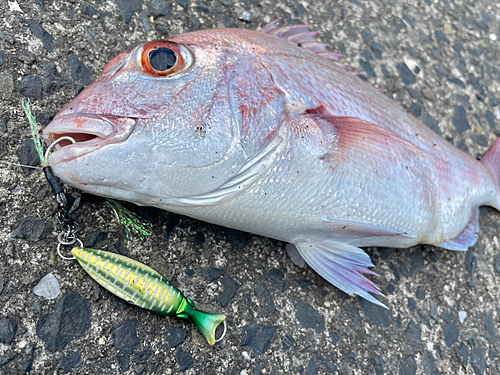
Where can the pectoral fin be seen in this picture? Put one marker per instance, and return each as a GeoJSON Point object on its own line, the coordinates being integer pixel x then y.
{"type": "Point", "coordinates": [343, 266]}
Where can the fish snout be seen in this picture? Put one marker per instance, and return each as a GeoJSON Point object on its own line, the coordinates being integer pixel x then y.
{"type": "Point", "coordinates": [87, 131]}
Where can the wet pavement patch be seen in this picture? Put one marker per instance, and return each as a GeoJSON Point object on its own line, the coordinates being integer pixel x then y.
{"type": "Point", "coordinates": [184, 359]}
{"type": "Point", "coordinates": [31, 87]}
{"type": "Point", "coordinates": [211, 273]}
{"type": "Point", "coordinates": [79, 71]}
{"type": "Point", "coordinates": [230, 289]}
{"type": "Point", "coordinates": [126, 341]}
{"type": "Point", "coordinates": [450, 332]}
{"type": "Point", "coordinates": [69, 321]}
{"type": "Point", "coordinates": [33, 228]}
{"type": "Point", "coordinates": [309, 317]}
{"type": "Point", "coordinates": [265, 297]}
{"type": "Point", "coordinates": [8, 329]}
{"type": "Point", "coordinates": [71, 361]}
{"type": "Point", "coordinates": [258, 337]}
{"type": "Point", "coordinates": [175, 336]}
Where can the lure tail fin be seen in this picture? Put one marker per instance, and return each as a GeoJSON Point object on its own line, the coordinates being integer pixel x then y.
{"type": "Point", "coordinates": [342, 265]}
{"type": "Point", "coordinates": [207, 323]}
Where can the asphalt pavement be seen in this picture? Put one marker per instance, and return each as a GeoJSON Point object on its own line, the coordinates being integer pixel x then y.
{"type": "Point", "coordinates": [439, 59]}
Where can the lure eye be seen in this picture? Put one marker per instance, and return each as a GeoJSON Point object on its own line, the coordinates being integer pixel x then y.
{"type": "Point", "coordinates": [161, 58]}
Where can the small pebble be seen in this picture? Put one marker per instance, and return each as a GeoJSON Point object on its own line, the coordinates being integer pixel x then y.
{"type": "Point", "coordinates": [493, 37]}
{"type": "Point", "coordinates": [47, 287]}
{"type": "Point", "coordinates": [69, 320]}
{"type": "Point", "coordinates": [246, 16]}
{"type": "Point", "coordinates": [462, 315]}
{"type": "Point", "coordinates": [126, 341]}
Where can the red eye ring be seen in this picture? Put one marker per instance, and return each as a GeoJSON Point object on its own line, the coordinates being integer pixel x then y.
{"type": "Point", "coordinates": [152, 46]}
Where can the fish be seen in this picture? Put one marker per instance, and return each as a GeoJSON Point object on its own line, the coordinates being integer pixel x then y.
{"type": "Point", "coordinates": [267, 132]}
{"type": "Point", "coordinates": [142, 286]}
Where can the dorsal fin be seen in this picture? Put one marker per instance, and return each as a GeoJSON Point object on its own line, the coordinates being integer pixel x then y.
{"type": "Point", "coordinates": [301, 36]}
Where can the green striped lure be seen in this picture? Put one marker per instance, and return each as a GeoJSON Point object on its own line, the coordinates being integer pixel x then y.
{"type": "Point", "coordinates": [141, 285]}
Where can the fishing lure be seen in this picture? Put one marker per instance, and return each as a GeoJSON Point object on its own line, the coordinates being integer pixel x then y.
{"type": "Point", "coordinates": [141, 285]}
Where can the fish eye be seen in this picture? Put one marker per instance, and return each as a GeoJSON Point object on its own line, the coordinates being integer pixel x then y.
{"type": "Point", "coordinates": [163, 58]}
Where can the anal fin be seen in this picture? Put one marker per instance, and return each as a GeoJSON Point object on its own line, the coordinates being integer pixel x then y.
{"type": "Point", "coordinates": [342, 265]}
{"type": "Point", "coordinates": [468, 237]}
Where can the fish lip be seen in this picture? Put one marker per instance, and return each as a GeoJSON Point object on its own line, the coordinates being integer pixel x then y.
{"type": "Point", "coordinates": [106, 129]}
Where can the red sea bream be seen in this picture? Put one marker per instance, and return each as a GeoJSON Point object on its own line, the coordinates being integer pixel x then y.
{"type": "Point", "coordinates": [266, 132]}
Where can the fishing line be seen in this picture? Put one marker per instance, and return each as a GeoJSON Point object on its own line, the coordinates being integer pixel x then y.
{"type": "Point", "coordinates": [20, 165]}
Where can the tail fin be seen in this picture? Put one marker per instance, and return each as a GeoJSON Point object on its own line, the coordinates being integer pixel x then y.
{"type": "Point", "coordinates": [492, 161]}
{"type": "Point", "coordinates": [206, 323]}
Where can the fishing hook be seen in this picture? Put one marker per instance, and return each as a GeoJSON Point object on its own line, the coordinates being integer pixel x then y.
{"type": "Point", "coordinates": [52, 145]}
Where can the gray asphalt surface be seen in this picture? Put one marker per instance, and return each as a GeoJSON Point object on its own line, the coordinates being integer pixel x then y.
{"type": "Point", "coordinates": [438, 58]}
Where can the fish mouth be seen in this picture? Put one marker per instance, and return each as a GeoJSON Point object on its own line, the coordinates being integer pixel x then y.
{"type": "Point", "coordinates": [89, 131]}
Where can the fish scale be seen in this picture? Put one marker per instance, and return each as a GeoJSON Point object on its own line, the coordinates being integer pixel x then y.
{"type": "Point", "coordinates": [142, 286]}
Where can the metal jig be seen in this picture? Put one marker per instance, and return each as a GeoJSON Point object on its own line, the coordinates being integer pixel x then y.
{"type": "Point", "coordinates": [139, 284]}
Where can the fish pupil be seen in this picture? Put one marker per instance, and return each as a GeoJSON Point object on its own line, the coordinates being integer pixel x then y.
{"type": "Point", "coordinates": [162, 59]}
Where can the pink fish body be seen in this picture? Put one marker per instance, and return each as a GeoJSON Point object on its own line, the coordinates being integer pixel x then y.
{"type": "Point", "coordinates": [247, 130]}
